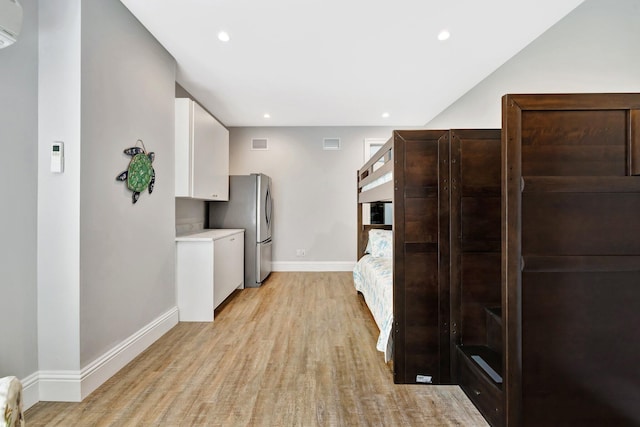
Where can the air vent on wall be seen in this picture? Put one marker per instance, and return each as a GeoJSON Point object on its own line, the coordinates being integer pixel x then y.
{"type": "Point", "coordinates": [259, 144]}
{"type": "Point", "coordinates": [331, 144]}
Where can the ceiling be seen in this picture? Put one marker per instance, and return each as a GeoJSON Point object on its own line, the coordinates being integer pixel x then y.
{"type": "Point", "coordinates": [340, 62]}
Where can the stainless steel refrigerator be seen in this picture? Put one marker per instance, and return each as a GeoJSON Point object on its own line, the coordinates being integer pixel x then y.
{"type": "Point", "coordinates": [249, 207]}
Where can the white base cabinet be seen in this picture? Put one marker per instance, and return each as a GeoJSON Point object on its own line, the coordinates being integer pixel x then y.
{"type": "Point", "coordinates": [209, 267]}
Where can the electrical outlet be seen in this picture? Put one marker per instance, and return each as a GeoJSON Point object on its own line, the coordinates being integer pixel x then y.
{"type": "Point", "coordinates": [301, 252]}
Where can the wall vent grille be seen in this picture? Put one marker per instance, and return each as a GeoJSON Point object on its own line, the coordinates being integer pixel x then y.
{"type": "Point", "coordinates": [259, 144]}
{"type": "Point", "coordinates": [331, 144]}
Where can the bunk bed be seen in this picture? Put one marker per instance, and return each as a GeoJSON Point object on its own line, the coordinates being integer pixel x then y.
{"type": "Point", "coordinates": [445, 190]}
{"type": "Point", "coordinates": [411, 171]}
{"type": "Point", "coordinates": [373, 275]}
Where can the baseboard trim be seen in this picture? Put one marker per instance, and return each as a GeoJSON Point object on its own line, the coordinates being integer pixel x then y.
{"type": "Point", "coordinates": [59, 386]}
{"type": "Point", "coordinates": [103, 368]}
{"type": "Point", "coordinates": [313, 265]}
{"type": "Point", "coordinates": [74, 386]}
{"type": "Point", "coordinates": [30, 394]}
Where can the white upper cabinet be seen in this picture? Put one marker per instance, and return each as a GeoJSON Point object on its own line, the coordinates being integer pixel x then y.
{"type": "Point", "coordinates": [202, 153]}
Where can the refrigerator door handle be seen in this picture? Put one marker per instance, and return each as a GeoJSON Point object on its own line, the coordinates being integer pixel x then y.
{"type": "Point", "coordinates": [267, 204]}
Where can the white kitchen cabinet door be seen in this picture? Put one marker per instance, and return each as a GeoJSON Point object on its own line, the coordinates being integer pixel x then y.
{"type": "Point", "coordinates": [228, 267]}
{"type": "Point", "coordinates": [202, 153]}
{"type": "Point", "coordinates": [195, 281]}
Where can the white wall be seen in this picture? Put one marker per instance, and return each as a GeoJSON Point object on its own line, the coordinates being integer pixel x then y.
{"type": "Point", "coordinates": [59, 194]}
{"type": "Point", "coordinates": [19, 174]}
{"type": "Point", "coordinates": [593, 49]}
{"type": "Point", "coordinates": [314, 191]}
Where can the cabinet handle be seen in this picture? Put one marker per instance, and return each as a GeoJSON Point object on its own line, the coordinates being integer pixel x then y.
{"type": "Point", "coordinates": [232, 239]}
{"type": "Point", "coordinates": [477, 392]}
{"type": "Point", "coordinates": [214, 195]}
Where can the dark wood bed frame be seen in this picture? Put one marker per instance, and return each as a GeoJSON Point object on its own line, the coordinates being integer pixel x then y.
{"type": "Point", "coordinates": [421, 256]}
{"type": "Point", "coordinates": [444, 183]}
{"type": "Point", "coordinates": [419, 160]}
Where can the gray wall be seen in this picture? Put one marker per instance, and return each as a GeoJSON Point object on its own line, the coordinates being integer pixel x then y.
{"type": "Point", "coordinates": [81, 268]}
{"type": "Point", "coordinates": [190, 215]}
{"type": "Point", "coordinates": [105, 266]}
{"type": "Point", "coordinates": [314, 191]}
{"type": "Point", "coordinates": [127, 251]}
{"type": "Point", "coordinates": [593, 49]}
{"type": "Point", "coordinates": [19, 173]}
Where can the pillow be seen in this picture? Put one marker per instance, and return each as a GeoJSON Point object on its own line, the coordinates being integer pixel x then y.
{"type": "Point", "coordinates": [380, 243]}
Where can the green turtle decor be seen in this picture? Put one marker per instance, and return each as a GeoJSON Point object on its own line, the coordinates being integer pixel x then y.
{"type": "Point", "coordinates": [140, 173]}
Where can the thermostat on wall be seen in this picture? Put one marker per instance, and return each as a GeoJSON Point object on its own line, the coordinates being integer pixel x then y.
{"type": "Point", "coordinates": [57, 157]}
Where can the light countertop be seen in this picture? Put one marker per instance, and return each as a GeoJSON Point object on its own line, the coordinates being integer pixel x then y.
{"type": "Point", "coordinates": [208, 235]}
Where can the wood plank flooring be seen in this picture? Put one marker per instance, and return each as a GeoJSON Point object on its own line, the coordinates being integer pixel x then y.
{"type": "Point", "coordinates": [298, 351]}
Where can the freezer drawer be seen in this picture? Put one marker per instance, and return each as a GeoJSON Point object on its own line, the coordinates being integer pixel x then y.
{"type": "Point", "coordinates": [263, 260]}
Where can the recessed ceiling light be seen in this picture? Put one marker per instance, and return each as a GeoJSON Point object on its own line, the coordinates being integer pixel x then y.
{"type": "Point", "coordinates": [223, 36]}
{"type": "Point", "coordinates": [444, 35]}
{"type": "Point", "coordinates": [267, 116]}
{"type": "Point", "coordinates": [385, 115]}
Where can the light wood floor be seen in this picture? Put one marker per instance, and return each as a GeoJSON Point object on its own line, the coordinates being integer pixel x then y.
{"type": "Point", "coordinates": [298, 351]}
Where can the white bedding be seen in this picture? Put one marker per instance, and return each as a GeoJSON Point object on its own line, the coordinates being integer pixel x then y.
{"type": "Point", "coordinates": [11, 402]}
{"type": "Point", "coordinates": [373, 277]}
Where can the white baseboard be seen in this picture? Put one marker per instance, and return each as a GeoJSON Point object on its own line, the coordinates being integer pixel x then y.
{"type": "Point", "coordinates": [103, 368]}
{"type": "Point", "coordinates": [73, 386]}
{"type": "Point", "coordinates": [59, 386]}
{"type": "Point", "coordinates": [30, 393]}
{"type": "Point", "coordinates": [313, 265]}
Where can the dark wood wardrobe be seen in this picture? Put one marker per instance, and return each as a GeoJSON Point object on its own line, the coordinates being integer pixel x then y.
{"type": "Point", "coordinates": [571, 259]}
{"type": "Point", "coordinates": [545, 262]}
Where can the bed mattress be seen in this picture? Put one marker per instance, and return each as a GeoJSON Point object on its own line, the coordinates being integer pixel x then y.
{"type": "Point", "coordinates": [373, 278]}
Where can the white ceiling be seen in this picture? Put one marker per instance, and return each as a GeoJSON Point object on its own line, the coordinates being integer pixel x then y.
{"type": "Point", "coordinates": [340, 62]}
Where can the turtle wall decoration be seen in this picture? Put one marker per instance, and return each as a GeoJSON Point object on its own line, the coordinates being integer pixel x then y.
{"type": "Point", "coordinates": [140, 173]}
